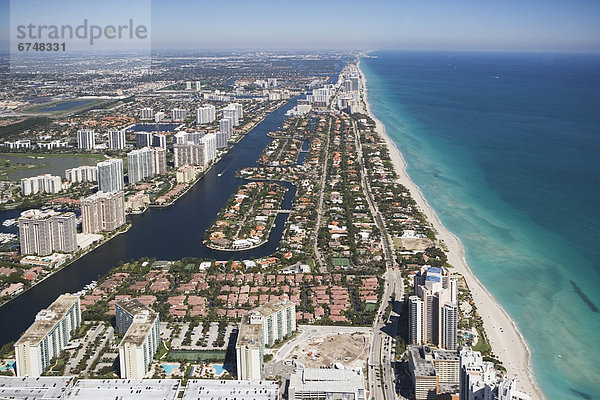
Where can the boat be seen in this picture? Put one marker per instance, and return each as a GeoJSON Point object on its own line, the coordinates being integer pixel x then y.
{"type": "Point", "coordinates": [9, 222]}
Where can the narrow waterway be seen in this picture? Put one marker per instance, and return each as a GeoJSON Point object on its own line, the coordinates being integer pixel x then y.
{"type": "Point", "coordinates": [168, 233]}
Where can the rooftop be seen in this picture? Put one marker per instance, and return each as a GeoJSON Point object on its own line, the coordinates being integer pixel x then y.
{"type": "Point", "coordinates": [132, 306]}
{"type": "Point", "coordinates": [143, 321]}
{"type": "Point", "coordinates": [33, 388]}
{"type": "Point", "coordinates": [124, 389]}
{"type": "Point", "coordinates": [200, 389]}
{"type": "Point", "coordinates": [446, 355]}
{"type": "Point", "coordinates": [101, 195]}
{"type": "Point", "coordinates": [273, 307]}
{"type": "Point", "coordinates": [422, 367]}
{"type": "Point", "coordinates": [48, 318]}
{"type": "Point", "coordinates": [327, 380]}
{"type": "Point", "coordinates": [249, 334]}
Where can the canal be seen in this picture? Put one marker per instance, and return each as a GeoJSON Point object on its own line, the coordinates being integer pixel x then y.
{"type": "Point", "coordinates": [169, 233]}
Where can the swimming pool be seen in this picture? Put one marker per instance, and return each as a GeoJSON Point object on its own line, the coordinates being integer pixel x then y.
{"type": "Point", "coordinates": [219, 369]}
{"type": "Point", "coordinates": [169, 368]}
{"type": "Point", "coordinates": [9, 365]}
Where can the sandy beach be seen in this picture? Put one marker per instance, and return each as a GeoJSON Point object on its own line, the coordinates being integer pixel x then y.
{"type": "Point", "coordinates": [507, 342]}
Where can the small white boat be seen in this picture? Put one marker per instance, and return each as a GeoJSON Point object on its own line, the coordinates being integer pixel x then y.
{"type": "Point", "coordinates": [9, 222]}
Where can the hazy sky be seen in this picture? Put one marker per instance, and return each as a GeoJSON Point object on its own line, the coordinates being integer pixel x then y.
{"type": "Point", "coordinates": [531, 25]}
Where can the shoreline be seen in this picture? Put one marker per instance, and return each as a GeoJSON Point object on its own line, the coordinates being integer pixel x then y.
{"type": "Point", "coordinates": [515, 353]}
{"type": "Point", "coordinates": [70, 261]}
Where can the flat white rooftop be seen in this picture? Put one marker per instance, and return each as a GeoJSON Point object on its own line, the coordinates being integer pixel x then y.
{"type": "Point", "coordinates": [34, 388]}
{"type": "Point", "coordinates": [124, 389]}
{"type": "Point", "coordinates": [326, 380]}
{"type": "Point", "coordinates": [205, 389]}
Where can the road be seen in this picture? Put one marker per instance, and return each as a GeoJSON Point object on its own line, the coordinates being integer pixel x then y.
{"type": "Point", "coordinates": [380, 373]}
{"type": "Point", "coordinates": [381, 356]}
{"type": "Point", "coordinates": [318, 256]}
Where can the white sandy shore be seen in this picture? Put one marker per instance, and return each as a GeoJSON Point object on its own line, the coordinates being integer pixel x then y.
{"type": "Point", "coordinates": [506, 340]}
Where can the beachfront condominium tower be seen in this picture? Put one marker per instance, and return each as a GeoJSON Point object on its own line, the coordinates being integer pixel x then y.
{"type": "Point", "coordinates": [102, 212]}
{"type": "Point", "coordinates": [206, 114]}
{"type": "Point", "coordinates": [141, 327]}
{"type": "Point", "coordinates": [47, 336]}
{"type": "Point", "coordinates": [110, 175]}
{"type": "Point", "coordinates": [140, 164]}
{"type": "Point", "coordinates": [86, 139]}
{"type": "Point", "coordinates": [116, 139]}
{"type": "Point", "coordinates": [432, 316]}
{"type": "Point", "coordinates": [449, 326]}
{"type": "Point", "coordinates": [477, 377]}
{"type": "Point", "coordinates": [42, 232]}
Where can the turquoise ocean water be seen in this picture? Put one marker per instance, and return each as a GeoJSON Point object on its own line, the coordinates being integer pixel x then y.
{"type": "Point", "coordinates": [506, 149]}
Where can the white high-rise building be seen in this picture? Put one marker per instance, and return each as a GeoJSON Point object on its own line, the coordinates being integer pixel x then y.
{"type": "Point", "coordinates": [160, 160]}
{"type": "Point", "coordinates": [47, 336]}
{"type": "Point", "coordinates": [434, 288]}
{"type": "Point", "coordinates": [210, 147]}
{"type": "Point", "coordinates": [195, 137]}
{"type": "Point", "coordinates": [449, 326]}
{"type": "Point", "coordinates": [181, 137]}
{"type": "Point", "coordinates": [102, 212]}
{"type": "Point", "coordinates": [116, 139]}
{"type": "Point", "coordinates": [232, 111]}
{"type": "Point", "coordinates": [147, 113]}
{"type": "Point", "coordinates": [140, 164]}
{"type": "Point", "coordinates": [415, 318]}
{"type": "Point", "coordinates": [507, 390]}
{"type": "Point", "coordinates": [159, 140]}
{"type": "Point", "coordinates": [477, 377]}
{"type": "Point", "coordinates": [143, 139]}
{"type": "Point", "coordinates": [86, 139]}
{"type": "Point", "coordinates": [221, 140]}
{"type": "Point", "coordinates": [110, 175]}
{"type": "Point", "coordinates": [189, 154]}
{"type": "Point", "coordinates": [262, 327]}
{"type": "Point", "coordinates": [178, 114]}
{"type": "Point", "coordinates": [43, 183]}
{"type": "Point", "coordinates": [85, 173]}
{"type": "Point", "coordinates": [239, 109]}
{"type": "Point", "coordinates": [206, 114]}
{"type": "Point", "coordinates": [42, 232]}
{"type": "Point", "coordinates": [159, 116]}
{"type": "Point", "coordinates": [249, 350]}
{"type": "Point", "coordinates": [141, 340]}
{"type": "Point", "coordinates": [226, 126]}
